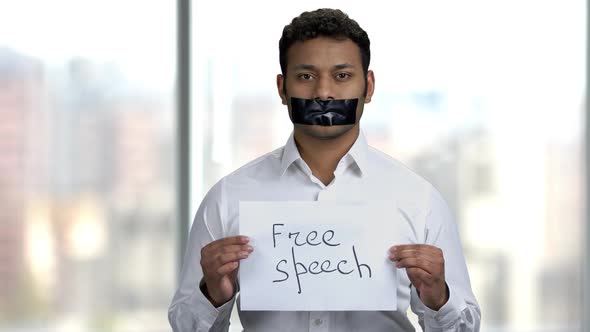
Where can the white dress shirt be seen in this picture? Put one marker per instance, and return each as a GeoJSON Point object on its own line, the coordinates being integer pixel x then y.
{"type": "Point", "coordinates": [364, 173]}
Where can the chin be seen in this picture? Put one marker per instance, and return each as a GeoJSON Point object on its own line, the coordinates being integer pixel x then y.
{"type": "Point", "coordinates": [324, 132]}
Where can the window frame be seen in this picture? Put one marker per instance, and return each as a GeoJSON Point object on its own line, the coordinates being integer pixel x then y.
{"type": "Point", "coordinates": [183, 105]}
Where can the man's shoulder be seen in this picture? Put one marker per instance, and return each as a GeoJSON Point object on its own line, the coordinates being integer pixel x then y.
{"type": "Point", "coordinates": [263, 166]}
{"type": "Point", "coordinates": [389, 167]}
{"type": "Point", "coordinates": [408, 187]}
{"type": "Point", "coordinates": [411, 189]}
{"type": "Point", "coordinates": [260, 168]}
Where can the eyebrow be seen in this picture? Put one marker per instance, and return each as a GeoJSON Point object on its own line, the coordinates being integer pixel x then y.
{"type": "Point", "coordinates": [304, 67]}
{"type": "Point", "coordinates": [343, 66]}
{"type": "Point", "coordinates": [312, 67]}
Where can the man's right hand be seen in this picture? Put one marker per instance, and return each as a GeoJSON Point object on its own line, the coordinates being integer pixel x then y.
{"type": "Point", "coordinates": [219, 261]}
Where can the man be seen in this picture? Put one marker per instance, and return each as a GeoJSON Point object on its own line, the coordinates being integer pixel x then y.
{"type": "Point", "coordinates": [325, 83]}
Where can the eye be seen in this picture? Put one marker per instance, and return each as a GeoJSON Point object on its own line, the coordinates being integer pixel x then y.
{"type": "Point", "coordinates": [342, 76]}
{"type": "Point", "coordinates": [305, 77]}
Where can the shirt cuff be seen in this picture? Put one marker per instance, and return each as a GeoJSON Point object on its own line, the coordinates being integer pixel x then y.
{"type": "Point", "coordinates": [207, 313]}
{"type": "Point", "coordinates": [448, 314]}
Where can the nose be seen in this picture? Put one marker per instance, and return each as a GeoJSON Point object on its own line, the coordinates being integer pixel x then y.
{"type": "Point", "coordinates": [324, 89]}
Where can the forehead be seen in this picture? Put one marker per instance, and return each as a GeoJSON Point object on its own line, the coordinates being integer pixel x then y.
{"type": "Point", "coordinates": [324, 51]}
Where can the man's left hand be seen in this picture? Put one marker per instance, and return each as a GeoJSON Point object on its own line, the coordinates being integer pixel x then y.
{"type": "Point", "coordinates": [425, 266]}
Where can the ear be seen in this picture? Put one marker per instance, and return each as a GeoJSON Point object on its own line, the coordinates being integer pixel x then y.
{"type": "Point", "coordinates": [370, 86]}
{"type": "Point", "coordinates": [280, 82]}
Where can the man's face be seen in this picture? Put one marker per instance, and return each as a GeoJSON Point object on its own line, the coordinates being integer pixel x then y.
{"type": "Point", "coordinates": [325, 68]}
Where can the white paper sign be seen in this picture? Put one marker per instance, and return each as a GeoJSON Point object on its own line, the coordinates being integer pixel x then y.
{"type": "Point", "coordinates": [323, 255]}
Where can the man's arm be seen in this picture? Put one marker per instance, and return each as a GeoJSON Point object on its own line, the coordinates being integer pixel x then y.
{"type": "Point", "coordinates": [460, 310]}
{"type": "Point", "coordinates": [191, 310]}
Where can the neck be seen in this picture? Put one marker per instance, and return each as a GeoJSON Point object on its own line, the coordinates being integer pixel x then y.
{"type": "Point", "coordinates": [323, 155]}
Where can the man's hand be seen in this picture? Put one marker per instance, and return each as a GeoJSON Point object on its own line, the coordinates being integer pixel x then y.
{"type": "Point", "coordinates": [425, 266]}
{"type": "Point", "coordinates": [219, 261]}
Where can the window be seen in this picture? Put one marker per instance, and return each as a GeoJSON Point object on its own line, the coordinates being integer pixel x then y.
{"type": "Point", "coordinates": [87, 165]}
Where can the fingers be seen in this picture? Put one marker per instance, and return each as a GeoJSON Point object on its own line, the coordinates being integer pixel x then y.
{"type": "Point", "coordinates": [221, 257]}
{"type": "Point", "coordinates": [228, 254]}
{"type": "Point", "coordinates": [227, 268]}
{"type": "Point", "coordinates": [234, 248]}
{"type": "Point", "coordinates": [239, 239]}
{"type": "Point", "coordinates": [425, 257]}
{"type": "Point", "coordinates": [427, 266]}
{"type": "Point", "coordinates": [225, 246]}
{"type": "Point", "coordinates": [418, 277]}
{"type": "Point", "coordinates": [416, 256]}
{"type": "Point", "coordinates": [418, 251]}
{"type": "Point", "coordinates": [418, 247]}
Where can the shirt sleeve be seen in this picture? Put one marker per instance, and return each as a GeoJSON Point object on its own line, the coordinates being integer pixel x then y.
{"type": "Point", "coordinates": [461, 312]}
{"type": "Point", "coordinates": [190, 310]}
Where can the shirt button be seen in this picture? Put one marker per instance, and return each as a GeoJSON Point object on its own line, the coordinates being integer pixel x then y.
{"type": "Point", "coordinates": [318, 322]}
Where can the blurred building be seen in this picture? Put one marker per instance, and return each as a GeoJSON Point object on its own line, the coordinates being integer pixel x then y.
{"type": "Point", "coordinates": [86, 195]}
{"type": "Point", "coordinates": [21, 95]}
{"type": "Point", "coordinates": [516, 251]}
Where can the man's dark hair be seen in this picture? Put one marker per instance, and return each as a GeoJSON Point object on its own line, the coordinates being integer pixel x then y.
{"type": "Point", "coordinates": [327, 23]}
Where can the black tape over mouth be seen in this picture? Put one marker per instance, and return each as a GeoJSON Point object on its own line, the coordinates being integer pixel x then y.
{"type": "Point", "coordinates": [324, 112]}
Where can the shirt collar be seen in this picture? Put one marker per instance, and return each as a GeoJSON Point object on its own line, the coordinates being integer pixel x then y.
{"type": "Point", "coordinates": [290, 154]}
{"type": "Point", "coordinates": [358, 152]}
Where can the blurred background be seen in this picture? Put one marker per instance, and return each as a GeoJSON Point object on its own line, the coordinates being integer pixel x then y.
{"type": "Point", "coordinates": [485, 99]}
